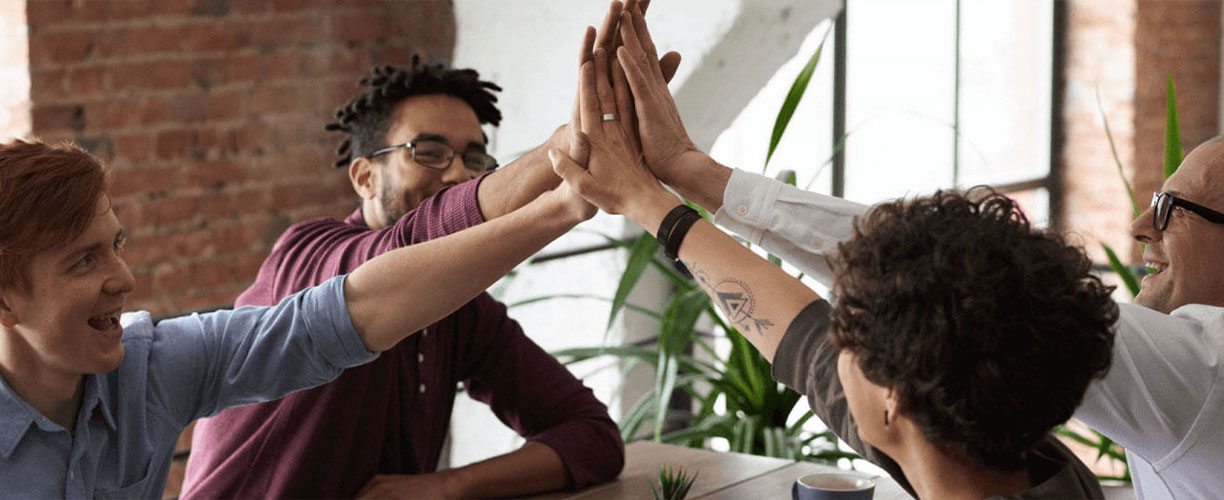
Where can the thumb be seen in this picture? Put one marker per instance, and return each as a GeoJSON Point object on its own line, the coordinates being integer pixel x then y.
{"type": "Point", "coordinates": [564, 166]}
{"type": "Point", "coordinates": [580, 146]}
{"type": "Point", "coordinates": [668, 64]}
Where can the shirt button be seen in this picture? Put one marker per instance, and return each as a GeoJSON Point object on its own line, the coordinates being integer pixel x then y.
{"type": "Point", "coordinates": [743, 210]}
{"type": "Point", "coordinates": [71, 474]}
{"type": "Point", "coordinates": [420, 358]}
{"type": "Point", "coordinates": [422, 388]}
{"type": "Point", "coordinates": [424, 332]}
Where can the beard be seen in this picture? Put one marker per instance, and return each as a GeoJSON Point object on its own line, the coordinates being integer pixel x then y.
{"type": "Point", "coordinates": [393, 207]}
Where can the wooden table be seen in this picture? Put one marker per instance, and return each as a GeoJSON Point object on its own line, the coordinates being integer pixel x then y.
{"type": "Point", "coordinates": [720, 475]}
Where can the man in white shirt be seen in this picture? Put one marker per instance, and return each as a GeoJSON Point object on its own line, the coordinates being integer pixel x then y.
{"type": "Point", "coordinates": [1160, 400]}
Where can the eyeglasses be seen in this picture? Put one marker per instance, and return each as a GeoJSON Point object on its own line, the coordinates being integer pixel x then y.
{"type": "Point", "coordinates": [438, 156]}
{"type": "Point", "coordinates": [1164, 203]}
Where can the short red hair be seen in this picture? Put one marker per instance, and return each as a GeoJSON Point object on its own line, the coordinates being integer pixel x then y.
{"type": "Point", "coordinates": [48, 196]}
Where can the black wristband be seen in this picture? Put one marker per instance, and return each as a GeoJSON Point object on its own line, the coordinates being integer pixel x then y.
{"type": "Point", "coordinates": [675, 226]}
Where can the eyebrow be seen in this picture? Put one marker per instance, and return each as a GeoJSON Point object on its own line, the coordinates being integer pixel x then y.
{"type": "Point", "coordinates": [120, 235]}
{"type": "Point", "coordinates": [476, 146]}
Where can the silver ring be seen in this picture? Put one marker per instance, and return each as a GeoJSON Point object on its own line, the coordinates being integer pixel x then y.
{"type": "Point", "coordinates": [607, 117]}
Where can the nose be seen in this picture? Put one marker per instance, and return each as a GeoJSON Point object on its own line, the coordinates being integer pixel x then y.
{"type": "Point", "coordinates": [121, 279]}
{"type": "Point", "coordinates": [455, 172]}
{"type": "Point", "coordinates": [1142, 228]}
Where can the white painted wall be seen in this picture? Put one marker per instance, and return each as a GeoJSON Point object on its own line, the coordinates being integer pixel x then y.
{"type": "Point", "coordinates": [731, 49]}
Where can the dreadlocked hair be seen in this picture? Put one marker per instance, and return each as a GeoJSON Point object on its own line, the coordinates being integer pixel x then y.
{"type": "Point", "coordinates": [367, 117]}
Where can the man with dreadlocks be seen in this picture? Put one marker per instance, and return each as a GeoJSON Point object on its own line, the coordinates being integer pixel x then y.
{"type": "Point", "coordinates": [415, 153]}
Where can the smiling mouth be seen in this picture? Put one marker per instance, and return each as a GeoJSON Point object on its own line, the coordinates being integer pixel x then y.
{"type": "Point", "coordinates": [1155, 267]}
{"type": "Point", "coordinates": [108, 322]}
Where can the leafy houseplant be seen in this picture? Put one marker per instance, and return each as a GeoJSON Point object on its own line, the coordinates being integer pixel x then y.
{"type": "Point", "coordinates": [674, 484]}
{"type": "Point", "coordinates": [735, 396]}
{"type": "Point", "coordinates": [1129, 275]}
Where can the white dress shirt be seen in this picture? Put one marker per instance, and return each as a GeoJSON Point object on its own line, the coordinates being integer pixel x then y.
{"type": "Point", "coordinates": [1162, 399]}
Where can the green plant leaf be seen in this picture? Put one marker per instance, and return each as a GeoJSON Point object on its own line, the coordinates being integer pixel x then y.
{"type": "Point", "coordinates": [640, 254]}
{"type": "Point", "coordinates": [544, 298]}
{"type": "Point", "coordinates": [1114, 150]}
{"type": "Point", "coordinates": [793, 97]}
{"type": "Point", "coordinates": [1128, 277]}
{"type": "Point", "coordinates": [1173, 146]}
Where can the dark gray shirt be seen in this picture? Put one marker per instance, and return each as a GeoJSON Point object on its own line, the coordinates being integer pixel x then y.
{"type": "Point", "coordinates": [807, 362]}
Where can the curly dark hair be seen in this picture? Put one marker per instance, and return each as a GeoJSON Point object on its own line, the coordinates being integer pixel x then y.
{"type": "Point", "coordinates": [367, 117]}
{"type": "Point", "coordinates": [988, 330]}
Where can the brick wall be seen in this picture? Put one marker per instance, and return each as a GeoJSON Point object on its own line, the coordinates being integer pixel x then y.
{"type": "Point", "coordinates": [1125, 48]}
{"type": "Point", "coordinates": [1181, 38]}
{"type": "Point", "coordinates": [210, 114]}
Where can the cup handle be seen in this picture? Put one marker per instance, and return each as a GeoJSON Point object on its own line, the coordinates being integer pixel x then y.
{"type": "Point", "coordinates": [795, 491]}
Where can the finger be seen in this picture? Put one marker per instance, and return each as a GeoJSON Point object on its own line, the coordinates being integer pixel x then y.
{"type": "Point", "coordinates": [607, 100]}
{"type": "Point", "coordinates": [589, 98]}
{"type": "Point", "coordinates": [644, 38]}
{"type": "Point", "coordinates": [633, 54]}
{"type": "Point", "coordinates": [606, 36]}
{"type": "Point", "coordinates": [639, 81]}
{"type": "Point", "coordinates": [668, 64]}
{"type": "Point", "coordinates": [624, 102]}
{"type": "Point", "coordinates": [588, 41]}
{"type": "Point", "coordinates": [584, 55]}
{"type": "Point", "coordinates": [566, 169]}
{"type": "Point", "coordinates": [580, 149]}
{"type": "Point", "coordinates": [642, 6]}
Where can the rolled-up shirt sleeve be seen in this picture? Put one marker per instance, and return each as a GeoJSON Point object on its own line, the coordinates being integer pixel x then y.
{"type": "Point", "coordinates": [801, 227]}
{"type": "Point", "coordinates": [205, 363]}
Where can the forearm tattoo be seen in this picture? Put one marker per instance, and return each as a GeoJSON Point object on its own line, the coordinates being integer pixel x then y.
{"type": "Point", "coordinates": [736, 300]}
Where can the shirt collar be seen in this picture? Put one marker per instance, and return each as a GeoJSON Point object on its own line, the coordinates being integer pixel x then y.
{"type": "Point", "coordinates": [16, 416]}
{"type": "Point", "coordinates": [96, 400]}
{"type": "Point", "coordinates": [356, 218]}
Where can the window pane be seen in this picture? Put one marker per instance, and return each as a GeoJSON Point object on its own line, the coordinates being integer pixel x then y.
{"type": "Point", "coordinates": [1005, 90]}
{"type": "Point", "coordinates": [900, 80]}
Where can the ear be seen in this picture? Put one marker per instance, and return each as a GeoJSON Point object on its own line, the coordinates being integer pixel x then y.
{"type": "Point", "coordinates": [8, 317]}
{"type": "Point", "coordinates": [362, 174]}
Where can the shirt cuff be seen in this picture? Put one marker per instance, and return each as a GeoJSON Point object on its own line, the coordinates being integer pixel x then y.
{"type": "Point", "coordinates": [332, 329]}
{"type": "Point", "coordinates": [746, 204]}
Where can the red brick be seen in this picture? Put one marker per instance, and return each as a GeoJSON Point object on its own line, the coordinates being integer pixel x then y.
{"type": "Point", "coordinates": [282, 32]}
{"type": "Point", "coordinates": [243, 68]}
{"type": "Point", "coordinates": [57, 118]}
{"type": "Point", "coordinates": [212, 37]}
{"type": "Point", "coordinates": [120, 114]}
{"type": "Point", "coordinates": [61, 47]}
{"type": "Point", "coordinates": [360, 27]}
{"type": "Point", "coordinates": [145, 180]}
{"type": "Point", "coordinates": [155, 75]}
{"type": "Point", "coordinates": [130, 9]}
{"type": "Point", "coordinates": [48, 85]}
{"type": "Point", "coordinates": [173, 144]}
{"type": "Point", "coordinates": [216, 143]}
{"type": "Point", "coordinates": [40, 13]}
{"type": "Point", "coordinates": [87, 81]}
{"type": "Point", "coordinates": [248, 6]}
{"type": "Point", "coordinates": [134, 147]}
{"type": "Point", "coordinates": [170, 8]}
{"type": "Point", "coordinates": [227, 104]}
{"type": "Point", "coordinates": [214, 173]}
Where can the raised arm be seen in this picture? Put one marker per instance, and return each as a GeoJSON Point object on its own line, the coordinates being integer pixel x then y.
{"type": "Point", "coordinates": [404, 290]}
{"type": "Point", "coordinates": [758, 297]}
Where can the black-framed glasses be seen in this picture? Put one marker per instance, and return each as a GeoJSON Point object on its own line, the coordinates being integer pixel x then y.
{"type": "Point", "coordinates": [438, 156]}
{"type": "Point", "coordinates": [1164, 203]}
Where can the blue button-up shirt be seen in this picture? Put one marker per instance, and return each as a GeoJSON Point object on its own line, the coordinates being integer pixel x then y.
{"type": "Point", "coordinates": [172, 373]}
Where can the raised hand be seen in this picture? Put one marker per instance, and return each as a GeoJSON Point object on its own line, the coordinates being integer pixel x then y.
{"type": "Point", "coordinates": [664, 141]}
{"type": "Point", "coordinates": [614, 178]}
